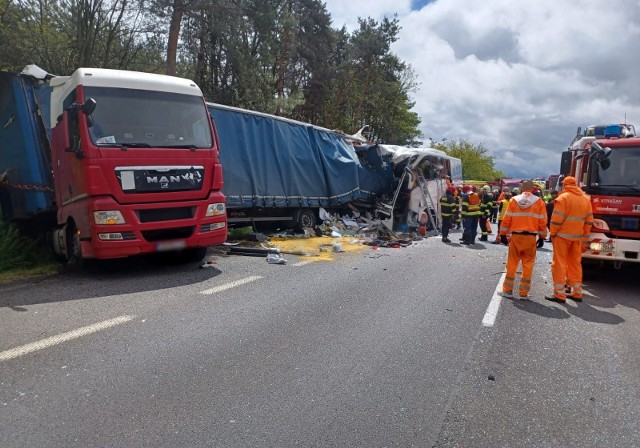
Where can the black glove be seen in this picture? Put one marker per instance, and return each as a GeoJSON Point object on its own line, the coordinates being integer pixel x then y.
{"type": "Point", "coordinates": [540, 243]}
{"type": "Point", "coordinates": [504, 240]}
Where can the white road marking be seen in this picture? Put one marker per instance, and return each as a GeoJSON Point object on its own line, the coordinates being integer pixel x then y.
{"type": "Point", "coordinates": [230, 285]}
{"type": "Point", "coordinates": [492, 310]}
{"type": "Point", "coordinates": [302, 263]}
{"type": "Point", "coordinates": [63, 337]}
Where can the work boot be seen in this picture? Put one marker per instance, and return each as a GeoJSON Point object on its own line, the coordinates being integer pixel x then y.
{"type": "Point", "coordinates": [555, 299]}
{"type": "Point", "coordinates": [446, 240]}
{"type": "Point", "coordinates": [576, 299]}
{"type": "Point", "coordinates": [483, 238]}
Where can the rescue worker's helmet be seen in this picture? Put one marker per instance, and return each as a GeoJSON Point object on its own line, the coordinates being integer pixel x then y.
{"type": "Point", "coordinates": [515, 191]}
{"type": "Point", "coordinates": [451, 189]}
{"type": "Point", "coordinates": [466, 188]}
{"type": "Point", "coordinates": [486, 188]}
{"type": "Point", "coordinates": [474, 188]}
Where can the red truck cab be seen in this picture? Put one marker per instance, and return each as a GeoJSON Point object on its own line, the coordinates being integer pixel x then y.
{"type": "Point", "coordinates": [605, 161]}
{"type": "Point", "coordinates": [135, 166]}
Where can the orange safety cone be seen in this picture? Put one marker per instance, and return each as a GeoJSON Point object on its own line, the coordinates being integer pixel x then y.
{"type": "Point", "coordinates": [489, 226]}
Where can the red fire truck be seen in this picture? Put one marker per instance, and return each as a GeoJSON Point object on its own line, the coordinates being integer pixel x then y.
{"type": "Point", "coordinates": [605, 160]}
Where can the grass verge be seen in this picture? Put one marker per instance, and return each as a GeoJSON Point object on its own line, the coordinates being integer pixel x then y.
{"type": "Point", "coordinates": [22, 258]}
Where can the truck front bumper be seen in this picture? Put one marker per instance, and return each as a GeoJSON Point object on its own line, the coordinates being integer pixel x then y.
{"type": "Point", "coordinates": [604, 248]}
{"type": "Point", "coordinates": [152, 228]}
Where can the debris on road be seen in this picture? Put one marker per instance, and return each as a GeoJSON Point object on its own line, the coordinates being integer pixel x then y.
{"type": "Point", "coordinates": [275, 259]}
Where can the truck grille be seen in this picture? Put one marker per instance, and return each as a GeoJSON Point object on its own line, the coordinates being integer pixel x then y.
{"type": "Point", "coordinates": [165, 214]}
{"type": "Point", "coordinates": [168, 234]}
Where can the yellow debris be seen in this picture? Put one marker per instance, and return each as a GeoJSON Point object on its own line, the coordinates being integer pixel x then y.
{"type": "Point", "coordinates": [316, 248]}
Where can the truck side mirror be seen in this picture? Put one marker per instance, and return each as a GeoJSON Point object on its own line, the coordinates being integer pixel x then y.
{"type": "Point", "coordinates": [565, 163]}
{"type": "Point", "coordinates": [89, 106]}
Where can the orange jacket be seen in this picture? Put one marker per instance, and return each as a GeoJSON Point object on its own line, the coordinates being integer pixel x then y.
{"type": "Point", "coordinates": [572, 215]}
{"type": "Point", "coordinates": [526, 213]}
{"type": "Point", "coordinates": [471, 204]}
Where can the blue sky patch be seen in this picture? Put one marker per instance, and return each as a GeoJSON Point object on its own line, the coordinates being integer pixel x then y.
{"type": "Point", "coordinates": [418, 4]}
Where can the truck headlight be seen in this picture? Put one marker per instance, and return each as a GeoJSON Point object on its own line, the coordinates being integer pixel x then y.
{"type": "Point", "coordinates": [217, 209]}
{"type": "Point", "coordinates": [601, 246]}
{"type": "Point", "coordinates": [108, 217]}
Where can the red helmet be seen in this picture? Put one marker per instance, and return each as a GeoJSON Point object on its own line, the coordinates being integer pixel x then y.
{"type": "Point", "coordinates": [451, 189]}
{"type": "Point", "coordinates": [474, 188]}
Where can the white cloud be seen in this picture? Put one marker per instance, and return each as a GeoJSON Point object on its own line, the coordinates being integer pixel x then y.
{"type": "Point", "coordinates": [518, 77]}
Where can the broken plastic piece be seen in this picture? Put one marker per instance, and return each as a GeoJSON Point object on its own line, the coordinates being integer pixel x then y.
{"type": "Point", "coordinates": [208, 264]}
{"type": "Point", "coordinates": [275, 259]}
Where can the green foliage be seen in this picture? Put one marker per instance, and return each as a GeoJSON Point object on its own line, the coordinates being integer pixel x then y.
{"type": "Point", "coordinates": [275, 56]}
{"type": "Point", "coordinates": [239, 233]}
{"type": "Point", "coordinates": [371, 86]}
{"type": "Point", "coordinates": [476, 163]}
{"type": "Point", "coordinates": [62, 35]}
{"type": "Point", "coordinates": [15, 251]}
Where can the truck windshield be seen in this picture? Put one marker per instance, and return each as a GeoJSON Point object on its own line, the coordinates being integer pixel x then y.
{"type": "Point", "coordinates": [623, 172]}
{"type": "Point", "coordinates": [148, 119]}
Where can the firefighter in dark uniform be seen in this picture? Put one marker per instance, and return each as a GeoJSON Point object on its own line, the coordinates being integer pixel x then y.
{"type": "Point", "coordinates": [486, 205]}
{"type": "Point", "coordinates": [447, 208]}
{"type": "Point", "coordinates": [457, 220]}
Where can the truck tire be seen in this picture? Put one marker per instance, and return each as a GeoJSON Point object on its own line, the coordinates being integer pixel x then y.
{"type": "Point", "coordinates": [74, 252]}
{"type": "Point", "coordinates": [194, 254]}
{"type": "Point", "coordinates": [304, 218]}
{"type": "Point", "coordinates": [184, 256]}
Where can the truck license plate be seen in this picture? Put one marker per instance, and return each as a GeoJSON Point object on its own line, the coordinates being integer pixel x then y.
{"type": "Point", "coordinates": [170, 245]}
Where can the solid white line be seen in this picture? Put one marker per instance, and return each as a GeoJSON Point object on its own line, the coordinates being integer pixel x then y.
{"type": "Point", "coordinates": [63, 337]}
{"type": "Point", "coordinates": [230, 285]}
{"type": "Point", "coordinates": [492, 310]}
{"type": "Point", "coordinates": [302, 263]}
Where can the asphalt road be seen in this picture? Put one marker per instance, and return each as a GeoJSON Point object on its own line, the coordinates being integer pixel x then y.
{"type": "Point", "coordinates": [394, 347]}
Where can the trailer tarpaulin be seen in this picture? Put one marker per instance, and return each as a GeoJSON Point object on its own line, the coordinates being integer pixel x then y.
{"type": "Point", "coordinates": [271, 161]}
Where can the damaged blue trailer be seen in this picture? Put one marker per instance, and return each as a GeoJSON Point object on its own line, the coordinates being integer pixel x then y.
{"type": "Point", "coordinates": [277, 169]}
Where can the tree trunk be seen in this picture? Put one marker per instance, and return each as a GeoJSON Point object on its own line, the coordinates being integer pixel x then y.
{"type": "Point", "coordinates": [174, 34]}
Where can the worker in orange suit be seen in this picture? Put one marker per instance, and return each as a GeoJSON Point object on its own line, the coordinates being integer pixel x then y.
{"type": "Point", "coordinates": [526, 221]}
{"type": "Point", "coordinates": [570, 226]}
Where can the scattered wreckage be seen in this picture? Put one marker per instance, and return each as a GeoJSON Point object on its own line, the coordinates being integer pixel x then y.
{"type": "Point", "coordinates": [334, 234]}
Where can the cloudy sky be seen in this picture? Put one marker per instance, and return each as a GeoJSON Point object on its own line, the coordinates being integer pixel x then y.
{"type": "Point", "coordinates": [517, 76]}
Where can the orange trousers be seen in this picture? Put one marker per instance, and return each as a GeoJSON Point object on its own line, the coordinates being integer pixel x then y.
{"type": "Point", "coordinates": [566, 264]}
{"type": "Point", "coordinates": [521, 248]}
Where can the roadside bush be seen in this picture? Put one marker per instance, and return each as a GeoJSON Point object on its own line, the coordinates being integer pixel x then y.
{"type": "Point", "coordinates": [15, 250]}
{"type": "Point", "coordinates": [239, 233]}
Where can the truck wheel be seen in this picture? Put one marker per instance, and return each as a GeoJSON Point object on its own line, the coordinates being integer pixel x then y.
{"type": "Point", "coordinates": [194, 254]}
{"type": "Point", "coordinates": [74, 252]}
{"type": "Point", "coordinates": [304, 218]}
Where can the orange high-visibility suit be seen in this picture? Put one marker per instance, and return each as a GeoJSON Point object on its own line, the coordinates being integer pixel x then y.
{"type": "Point", "coordinates": [571, 222]}
{"type": "Point", "coordinates": [526, 221]}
